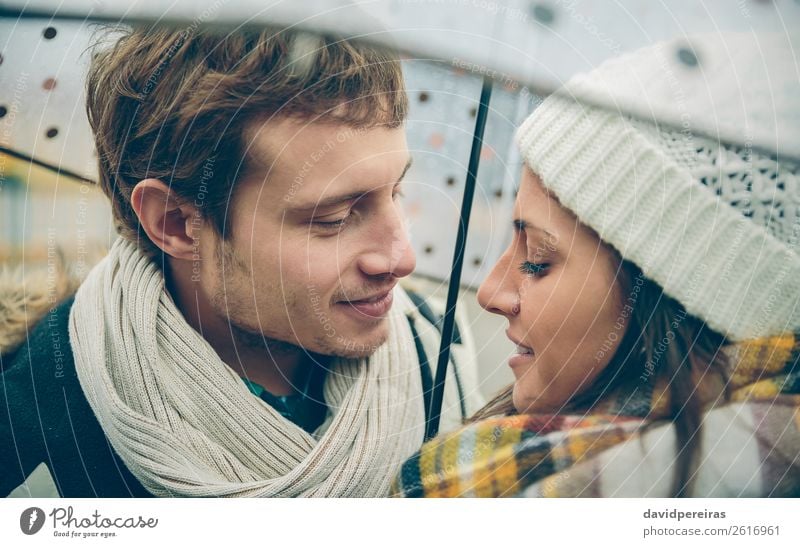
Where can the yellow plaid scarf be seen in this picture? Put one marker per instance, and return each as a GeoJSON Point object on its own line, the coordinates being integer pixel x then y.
{"type": "Point", "coordinates": [553, 455]}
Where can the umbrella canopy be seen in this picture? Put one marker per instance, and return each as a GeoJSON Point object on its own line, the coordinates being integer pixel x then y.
{"type": "Point", "coordinates": [540, 45]}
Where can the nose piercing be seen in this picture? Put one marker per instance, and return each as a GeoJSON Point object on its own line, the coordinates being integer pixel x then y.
{"type": "Point", "coordinates": [515, 308]}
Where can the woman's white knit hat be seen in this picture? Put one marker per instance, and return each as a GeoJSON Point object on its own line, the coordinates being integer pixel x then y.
{"type": "Point", "coordinates": [715, 225]}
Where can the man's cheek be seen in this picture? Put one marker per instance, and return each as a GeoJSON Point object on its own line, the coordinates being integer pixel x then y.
{"type": "Point", "coordinates": [327, 257]}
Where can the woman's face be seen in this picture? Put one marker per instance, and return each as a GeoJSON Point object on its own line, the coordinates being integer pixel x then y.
{"type": "Point", "coordinates": [559, 287]}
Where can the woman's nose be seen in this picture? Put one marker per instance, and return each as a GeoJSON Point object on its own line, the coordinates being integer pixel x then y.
{"type": "Point", "coordinates": [498, 293]}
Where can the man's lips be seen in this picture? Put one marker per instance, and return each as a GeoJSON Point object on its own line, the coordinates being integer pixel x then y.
{"type": "Point", "coordinates": [376, 305]}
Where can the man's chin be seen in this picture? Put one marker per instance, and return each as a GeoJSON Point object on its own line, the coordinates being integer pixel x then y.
{"type": "Point", "coordinates": [356, 346]}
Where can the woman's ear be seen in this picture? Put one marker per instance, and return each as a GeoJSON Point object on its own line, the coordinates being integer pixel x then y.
{"type": "Point", "coordinates": [169, 222]}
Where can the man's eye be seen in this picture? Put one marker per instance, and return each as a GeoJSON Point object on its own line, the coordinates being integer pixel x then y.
{"type": "Point", "coordinates": [330, 224]}
{"type": "Point", "coordinates": [534, 269]}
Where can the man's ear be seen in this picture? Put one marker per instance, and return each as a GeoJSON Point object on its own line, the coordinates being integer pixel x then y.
{"type": "Point", "coordinates": [169, 223]}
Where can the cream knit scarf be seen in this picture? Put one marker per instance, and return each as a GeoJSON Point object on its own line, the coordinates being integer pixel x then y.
{"type": "Point", "coordinates": [186, 425]}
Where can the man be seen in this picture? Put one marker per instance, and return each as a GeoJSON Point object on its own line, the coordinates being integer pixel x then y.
{"type": "Point", "coordinates": [245, 335]}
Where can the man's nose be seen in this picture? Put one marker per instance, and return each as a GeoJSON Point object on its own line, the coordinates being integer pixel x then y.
{"type": "Point", "coordinates": [390, 252]}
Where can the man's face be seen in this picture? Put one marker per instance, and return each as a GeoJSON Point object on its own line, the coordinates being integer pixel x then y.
{"type": "Point", "coordinates": [317, 238]}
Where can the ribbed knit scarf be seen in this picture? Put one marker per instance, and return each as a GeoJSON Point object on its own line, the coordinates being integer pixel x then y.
{"type": "Point", "coordinates": [748, 447]}
{"type": "Point", "coordinates": [186, 425]}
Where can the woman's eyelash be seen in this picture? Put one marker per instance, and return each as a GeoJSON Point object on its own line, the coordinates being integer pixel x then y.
{"type": "Point", "coordinates": [533, 268]}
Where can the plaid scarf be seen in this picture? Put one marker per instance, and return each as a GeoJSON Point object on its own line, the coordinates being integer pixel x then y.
{"type": "Point", "coordinates": [750, 445]}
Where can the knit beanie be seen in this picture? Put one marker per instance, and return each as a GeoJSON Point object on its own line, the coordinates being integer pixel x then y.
{"type": "Point", "coordinates": [715, 225]}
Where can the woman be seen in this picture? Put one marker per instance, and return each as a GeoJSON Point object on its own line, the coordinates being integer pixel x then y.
{"type": "Point", "coordinates": [653, 297]}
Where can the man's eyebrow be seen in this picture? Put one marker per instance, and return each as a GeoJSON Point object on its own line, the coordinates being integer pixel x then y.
{"type": "Point", "coordinates": [405, 169]}
{"type": "Point", "coordinates": [343, 198]}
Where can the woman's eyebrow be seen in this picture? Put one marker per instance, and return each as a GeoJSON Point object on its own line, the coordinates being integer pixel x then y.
{"type": "Point", "coordinates": [522, 225]}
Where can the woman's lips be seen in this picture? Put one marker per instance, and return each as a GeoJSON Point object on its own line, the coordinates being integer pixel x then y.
{"type": "Point", "coordinates": [520, 359]}
{"type": "Point", "coordinates": [522, 355]}
{"type": "Point", "coordinates": [374, 307]}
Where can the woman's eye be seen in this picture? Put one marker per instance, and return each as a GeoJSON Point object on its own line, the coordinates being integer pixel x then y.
{"type": "Point", "coordinates": [534, 268]}
{"type": "Point", "coordinates": [397, 193]}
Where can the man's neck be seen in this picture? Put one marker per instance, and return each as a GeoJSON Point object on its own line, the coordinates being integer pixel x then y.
{"type": "Point", "coordinates": [278, 367]}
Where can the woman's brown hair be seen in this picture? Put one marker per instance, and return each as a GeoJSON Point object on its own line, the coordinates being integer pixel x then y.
{"type": "Point", "coordinates": [662, 342]}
